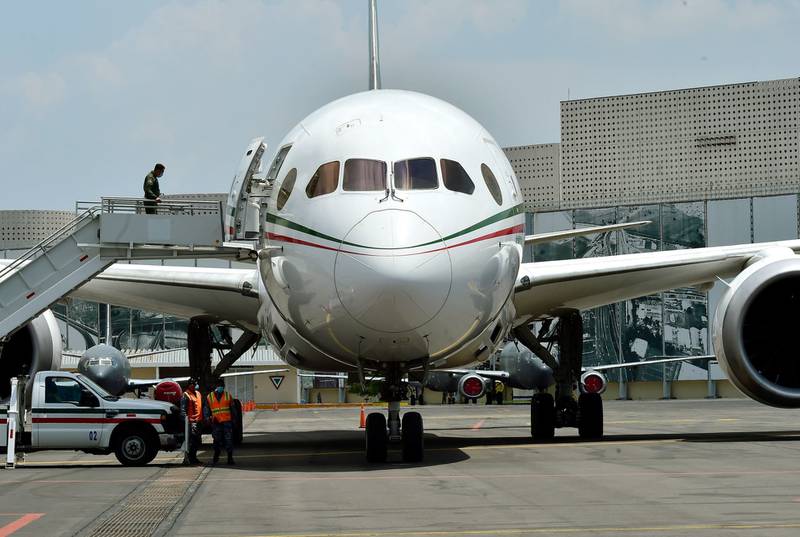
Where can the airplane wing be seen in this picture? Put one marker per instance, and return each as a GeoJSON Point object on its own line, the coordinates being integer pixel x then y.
{"type": "Point", "coordinates": [579, 232]}
{"type": "Point", "coordinates": [221, 294]}
{"type": "Point", "coordinates": [140, 384]}
{"type": "Point", "coordinates": [627, 365]}
{"type": "Point", "coordinates": [503, 375]}
{"type": "Point", "coordinates": [545, 288]}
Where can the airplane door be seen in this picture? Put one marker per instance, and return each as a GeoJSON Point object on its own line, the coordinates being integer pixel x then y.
{"type": "Point", "coordinates": [238, 211]}
{"type": "Point", "coordinates": [70, 416]}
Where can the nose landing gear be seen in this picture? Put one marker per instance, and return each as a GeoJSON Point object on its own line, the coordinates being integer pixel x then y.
{"type": "Point", "coordinates": [409, 431]}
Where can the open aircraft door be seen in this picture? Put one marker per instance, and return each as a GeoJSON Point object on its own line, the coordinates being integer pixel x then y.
{"type": "Point", "coordinates": [242, 208]}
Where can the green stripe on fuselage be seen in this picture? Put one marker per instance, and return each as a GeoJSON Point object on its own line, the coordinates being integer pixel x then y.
{"type": "Point", "coordinates": [502, 215]}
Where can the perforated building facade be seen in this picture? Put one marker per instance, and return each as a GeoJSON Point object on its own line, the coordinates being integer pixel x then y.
{"type": "Point", "coordinates": [24, 229]}
{"type": "Point", "coordinates": [539, 173]}
{"type": "Point", "coordinates": [715, 142]}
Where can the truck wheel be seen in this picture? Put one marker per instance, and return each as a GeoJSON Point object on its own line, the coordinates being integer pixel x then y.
{"type": "Point", "coordinates": [238, 423]}
{"type": "Point", "coordinates": [136, 446]}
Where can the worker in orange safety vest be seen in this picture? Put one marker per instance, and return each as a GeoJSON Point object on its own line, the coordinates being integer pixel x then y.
{"type": "Point", "coordinates": [219, 411]}
{"type": "Point", "coordinates": [192, 411]}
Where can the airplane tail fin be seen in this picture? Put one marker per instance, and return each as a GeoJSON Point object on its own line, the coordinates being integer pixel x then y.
{"type": "Point", "coordinates": [374, 59]}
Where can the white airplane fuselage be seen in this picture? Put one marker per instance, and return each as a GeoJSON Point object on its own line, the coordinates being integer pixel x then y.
{"type": "Point", "coordinates": [390, 272]}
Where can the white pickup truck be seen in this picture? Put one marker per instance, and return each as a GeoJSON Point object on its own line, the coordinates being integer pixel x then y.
{"type": "Point", "coordinates": [70, 412]}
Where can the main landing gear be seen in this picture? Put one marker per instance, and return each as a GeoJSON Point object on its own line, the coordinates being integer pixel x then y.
{"type": "Point", "coordinates": [563, 410]}
{"type": "Point", "coordinates": [380, 432]}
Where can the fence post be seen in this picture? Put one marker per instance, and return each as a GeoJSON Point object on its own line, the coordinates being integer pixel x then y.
{"type": "Point", "coordinates": [13, 417]}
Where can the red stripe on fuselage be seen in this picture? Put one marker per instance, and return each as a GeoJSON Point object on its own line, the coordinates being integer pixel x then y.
{"type": "Point", "coordinates": [502, 233]}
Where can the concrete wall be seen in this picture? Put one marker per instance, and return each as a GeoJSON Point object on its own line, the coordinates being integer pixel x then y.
{"type": "Point", "coordinates": [265, 393]}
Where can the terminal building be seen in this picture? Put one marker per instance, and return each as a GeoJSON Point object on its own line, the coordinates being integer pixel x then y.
{"type": "Point", "coordinates": [706, 166]}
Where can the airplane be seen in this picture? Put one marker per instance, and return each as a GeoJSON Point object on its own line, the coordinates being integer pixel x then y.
{"type": "Point", "coordinates": [392, 243]}
{"type": "Point", "coordinates": [516, 366]}
{"type": "Point", "coordinates": [109, 368]}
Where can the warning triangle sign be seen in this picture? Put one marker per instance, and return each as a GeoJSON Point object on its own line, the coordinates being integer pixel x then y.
{"type": "Point", "coordinates": [277, 380]}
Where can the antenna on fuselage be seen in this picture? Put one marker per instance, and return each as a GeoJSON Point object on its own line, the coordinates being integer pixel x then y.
{"type": "Point", "coordinates": [374, 59]}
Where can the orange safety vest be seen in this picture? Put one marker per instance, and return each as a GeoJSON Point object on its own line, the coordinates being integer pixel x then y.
{"type": "Point", "coordinates": [194, 406]}
{"type": "Point", "coordinates": [220, 409]}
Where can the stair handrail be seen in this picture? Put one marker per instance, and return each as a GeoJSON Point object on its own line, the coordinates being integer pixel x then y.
{"type": "Point", "coordinates": [54, 237]}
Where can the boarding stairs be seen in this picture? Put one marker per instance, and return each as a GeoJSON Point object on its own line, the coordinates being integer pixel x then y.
{"type": "Point", "coordinates": [101, 234]}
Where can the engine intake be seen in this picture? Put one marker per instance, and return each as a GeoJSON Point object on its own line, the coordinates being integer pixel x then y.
{"type": "Point", "coordinates": [593, 382]}
{"type": "Point", "coordinates": [754, 328]}
{"type": "Point", "coordinates": [472, 386]}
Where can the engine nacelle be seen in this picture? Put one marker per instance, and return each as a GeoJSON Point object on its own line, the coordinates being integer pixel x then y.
{"type": "Point", "coordinates": [593, 382]}
{"type": "Point", "coordinates": [472, 386]}
{"type": "Point", "coordinates": [754, 328]}
{"type": "Point", "coordinates": [34, 347]}
{"type": "Point", "coordinates": [168, 391]}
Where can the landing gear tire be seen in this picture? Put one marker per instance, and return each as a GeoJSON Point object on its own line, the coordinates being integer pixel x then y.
{"type": "Point", "coordinates": [413, 437]}
{"type": "Point", "coordinates": [590, 415]}
{"type": "Point", "coordinates": [543, 416]}
{"type": "Point", "coordinates": [377, 440]}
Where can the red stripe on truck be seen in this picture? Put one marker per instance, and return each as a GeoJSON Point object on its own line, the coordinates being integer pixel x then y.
{"type": "Point", "coordinates": [91, 420]}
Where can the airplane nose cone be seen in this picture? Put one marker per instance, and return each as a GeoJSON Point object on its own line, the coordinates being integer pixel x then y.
{"type": "Point", "coordinates": [393, 272]}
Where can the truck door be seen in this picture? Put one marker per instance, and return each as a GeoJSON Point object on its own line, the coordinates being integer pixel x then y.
{"type": "Point", "coordinates": [68, 415]}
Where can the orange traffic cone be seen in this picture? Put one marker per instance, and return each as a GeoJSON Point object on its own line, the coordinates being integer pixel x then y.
{"type": "Point", "coordinates": [363, 419]}
{"type": "Point", "coordinates": [275, 406]}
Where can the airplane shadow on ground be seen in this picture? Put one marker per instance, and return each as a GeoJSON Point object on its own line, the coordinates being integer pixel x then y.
{"type": "Point", "coordinates": [343, 451]}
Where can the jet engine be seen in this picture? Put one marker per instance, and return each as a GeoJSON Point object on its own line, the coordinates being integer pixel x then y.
{"type": "Point", "coordinates": [754, 328]}
{"type": "Point", "coordinates": [472, 386]}
{"type": "Point", "coordinates": [593, 382]}
{"type": "Point", "coordinates": [34, 347]}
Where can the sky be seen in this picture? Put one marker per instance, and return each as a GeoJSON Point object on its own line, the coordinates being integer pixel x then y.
{"type": "Point", "coordinates": [93, 93]}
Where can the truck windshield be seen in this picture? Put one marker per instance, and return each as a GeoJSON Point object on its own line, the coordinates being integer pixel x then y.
{"type": "Point", "coordinates": [97, 389]}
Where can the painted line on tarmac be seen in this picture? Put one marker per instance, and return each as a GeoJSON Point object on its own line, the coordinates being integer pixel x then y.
{"type": "Point", "coordinates": [549, 531]}
{"type": "Point", "coordinates": [35, 464]}
{"type": "Point", "coordinates": [675, 420]}
{"type": "Point", "coordinates": [13, 527]}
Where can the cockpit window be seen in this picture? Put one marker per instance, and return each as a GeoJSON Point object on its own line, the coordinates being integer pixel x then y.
{"type": "Point", "coordinates": [455, 177]}
{"type": "Point", "coordinates": [324, 181]}
{"type": "Point", "coordinates": [491, 184]}
{"type": "Point", "coordinates": [286, 188]}
{"type": "Point", "coordinates": [415, 174]}
{"type": "Point", "coordinates": [363, 175]}
{"type": "Point", "coordinates": [275, 167]}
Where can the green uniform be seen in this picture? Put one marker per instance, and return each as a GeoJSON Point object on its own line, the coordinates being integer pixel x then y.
{"type": "Point", "coordinates": [151, 192]}
{"type": "Point", "coordinates": [151, 189]}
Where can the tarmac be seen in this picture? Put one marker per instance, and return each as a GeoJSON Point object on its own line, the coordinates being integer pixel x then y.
{"type": "Point", "coordinates": [703, 467]}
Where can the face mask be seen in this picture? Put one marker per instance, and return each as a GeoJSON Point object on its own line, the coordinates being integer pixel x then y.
{"type": "Point", "coordinates": [196, 386]}
{"type": "Point", "coordinates": [219, 390]}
